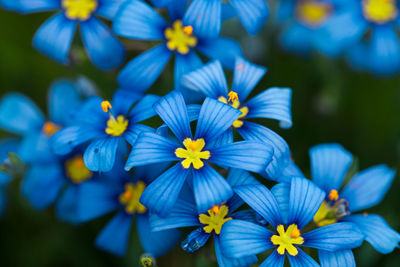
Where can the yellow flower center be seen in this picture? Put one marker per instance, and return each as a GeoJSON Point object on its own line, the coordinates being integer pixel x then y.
{"type": "Point", "coordinates": [193, 153]}
{"type": "Point", "coordinates": [130, 198]}
{"type": "Point", "coordinates": [215, 219]}
{"type": "Point", "coordinates": [50, 128]}
{"type": "Point", "coordinates": [233, 101]}
{"type": "Point", "coordinates": [313, 13]}
{"type": "Point", "coordinates": [180, 38]}
{"type": "Point", "coordinates": [115, 126]}
{"type": "Point", "coordinates": [331, 211]}
{"type": "Point", "coordinates": [380, 11]}
{"type": "Point", "coordinates": [286, 240]}
{"type": "Point", "coordinates": [79, 9]}
{"type": "Point", "coordinates": [76, 170]}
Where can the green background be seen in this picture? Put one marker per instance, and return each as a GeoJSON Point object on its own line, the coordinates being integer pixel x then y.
{"type": "Point", "coordinates": [331, 103]}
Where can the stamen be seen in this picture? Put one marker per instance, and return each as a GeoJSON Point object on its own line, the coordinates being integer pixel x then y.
{"type": "Point", "coordinates": [79, 9]}
{"type": "Point", "coordinates": [285, 240]}
{"type": "Point", "coordinates": [106, 105]}
{"type": "Point", "coordinates": [333, 195]}
{"type": "Point", "coordinates": [380, 11]}
{"type": "Point", "coordinates": [76, 170]}
{"type": "Point", "coordinates": [233, 96]}
{"type": "Point", "coordinates": [188, 30]}
{"type": "Point", "coordinates": [50, 128]}
{"type": "Point", "coordinates": [180, 38]}
{"type": "Point", "coordinates": [215, 219]}
{"type": "Point", "coordinates": [131, 196]}
{"type": "Point", "coordinates": [313, 13]}
{"type": "Point", "coordinates": [193, 153]}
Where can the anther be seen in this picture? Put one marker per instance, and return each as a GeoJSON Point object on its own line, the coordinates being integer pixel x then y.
{"type": "Point", "coordinates": [105, 105]}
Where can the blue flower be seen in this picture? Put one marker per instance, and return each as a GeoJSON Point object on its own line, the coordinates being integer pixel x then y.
{"type": "Point", "coordinates": [107, 126]}
{"type": "Point", "coordinates": [329, 166]}
{"type": "Point", "coordinates": [194, 154]}
{"type": "Point", "coordinates": [206, 15]}
{"type": "Point", "coordinates": [6, 146]}
{"type": "Point", "coordinates": [55, 36]}
{"type": "Point", "coordinates": [138, 20]}
{"type": "Point", "coordinates": [288, 215]}
{"type": "Point", "coordinates": [367, 32]}
{"type": "Point", "coordinates": [273, 103]}
{"type": "Point", "coordinates": [185, 214]}
{"type": "Point", "coordinates": [121, 194]}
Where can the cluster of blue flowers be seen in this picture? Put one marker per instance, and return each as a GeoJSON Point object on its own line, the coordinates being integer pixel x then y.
{"type": "Point", "coordinates": [203, 164]}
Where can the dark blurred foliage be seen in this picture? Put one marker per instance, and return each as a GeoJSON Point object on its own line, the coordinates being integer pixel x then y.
{"type": "Point", "coordinates": [331, 103]}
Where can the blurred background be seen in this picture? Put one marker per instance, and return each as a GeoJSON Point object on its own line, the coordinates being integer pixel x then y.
{"type": "Point", "coordinates": [331, 103]}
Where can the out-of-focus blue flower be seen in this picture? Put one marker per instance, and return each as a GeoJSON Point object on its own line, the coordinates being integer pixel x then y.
{"type": "Point", "coordinates": [288, 215]}
{"type": "Point", "coordinates": [367, 32]}
{"type": "Point", "coordinates": [55, 36]}
{"type": "Point", "coordinates": [138, 20]}
{"type": "Point", "coordinates": [107, 126]}
{"type": "Point", "coordinates": [6, 146]}
{"type": "Point", "coordinates": [185, 214]}
{"type": "Point", "coordinates": [206, 15]}
{"type": "Point", "coordinates": [122, 194]}
{"type": "Point", "coordinates": [329, 165]}
{"type": "Point", "coordinates": [194, 154]}
{"type": "Point", "coordinates": [274, 103]}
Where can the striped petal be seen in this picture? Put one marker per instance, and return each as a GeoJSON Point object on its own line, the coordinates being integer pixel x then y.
{"type": "Point", "coordinates": [231, 262]}
{"type": "Point", "coordinates": [336, 258]}
{"type": "Point", "coordinates": [302, 259]}
{"type": "Point", "coordinates": [100, 154]}
{"type": "Point", "coordinates": [205, 17]}
{"type": "Point", "coordinates": [252, 13]}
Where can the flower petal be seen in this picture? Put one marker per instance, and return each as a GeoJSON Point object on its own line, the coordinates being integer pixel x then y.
{"type": "Point", "coordinates": [336, 258]}
{"type": "Point", "coordinates": [367, 188]}
{"type": "Point", "coordinates": [205, 17]}
{"type": "Point", "coordinates": [302, 259]}
{"type": "Point", "coordinates": [108, 9]}
{"type": "Point", "coordinates": [231, 262]}
{"type": "Point", "coordinates": [281, 193]}
{"type": "Point", "coordinates": [100, 154]}
{"type": "Point", "coordinates": [66, 207]}
{"type": "Point", "coordinates": [329, 165]}
{"type": "Point", "coordinates": [252, 13]}
{"type": "Point", "coordinates": [183, 65]}
{"type": "Point", "coordinates": [103, 48]}
{"type": "Point", "coordinates": [222, 49]}
{"type": "Point", "coordinates": [274, 260]}
{"type": "Point", "coordinates": [195, 240]}
{"type": "Point", "coordinates": [54, 37]}
{"type": "Point", "coordinates": [28, 6]}
{"type": "Point", "coordinates": [305, 200]}
{"type": "Point", "coordinates": [134, 130]}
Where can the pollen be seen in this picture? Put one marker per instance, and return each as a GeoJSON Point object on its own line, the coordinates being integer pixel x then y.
{"type": "Point", "coordinates": [79, 9]}
{"type": "Point", "coordinates": [105, 106]}
{"type": "Point", "coordinates": [76, 170]}
{"type": "Point", "coordinates": [233, 96]}
{"type": "Point", "coordinates": [116, 126]}
{"type": "Point", "coordinates": [50, 128]}
{"type": "Point", "coordinates": [233, 101]}
{"type": "Point", "coordinates": [214, 219]}
{"type": "Point", "coordinates": [313, 13]}
{"type": "Point", "coordinates": [180, 38]}
{"type": "Point", "coordinates": [130, 198]}
{"type": "Point", "coordinates": [285, 240]}
{"type": "Point", "coordinates": [380, 11]}
{"type": "Point", "coordinates": [333, 195]}
{"type": "Point", "coordinates": [193, 153]}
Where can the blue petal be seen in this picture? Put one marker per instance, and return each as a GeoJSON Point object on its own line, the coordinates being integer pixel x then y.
{"type": "Point", "coordinates": [231, 262]}
{"type": "Point", "coordinates": [193, 112]}
{"type": "Point", "coordinates": [274, 260]}
{"type": "Point", "coordinates": [66, 208]}
{"type": "Point", "coordinates": [138, 20]}
{"type": "Point", "coordinates": [6, 146]}
{"type": "Point", "coordinates": [144, 109]}
{"type": "Point", "coordinates": [172, 110]}
{"type": "Point", "coordinates": [36, 148]}
{"type": "Point", "coordinates": [160, 3]}
{"type": "Point", "coordinates": [222, 49]}
{"type": "Point", "coordinates": [252, 13]}
{"type": "Point", "coordinates": [223, 139]}
{"type": "Point", "coordinates": [151, 148]}
{"type": "Point", "coordinates": [385, 50]}
{"type": "Point", "coordinates": [195, 240]}
{"type": "Point", "coordinates": [63, 101]}
{"type": "Point", "coordinates": [246, 77]}
{"type": "Point", "coordinates": [134, 130]}
{"type": "Point", "coordinates": [367, 188]}
{"type": "Point", "coordinates": [238, 177]}
{"type": "Point", "coordinates": [97, 198]}
{"type": "Point", "coordinates": [100, 154]}
{"type": "Point", "coordinates": [281, 157]}
{"type": "Point", "coordinates": [305, 200]}
{"type": "Point", "coordinates": [184, 214]}
{"type": "Point", "coordinates": [302, 259]}
{"type": "Point", "coordinates": [115, 236]}
{"type": "Point", "coordinates": [103, 48]}
{"type": "Point", "coordinates": [54, 37]}
{"type": "Point", "coordinates": [337, 258]}
{"type": "Point", "coordinates": [123, 100]}
{"type": "Point", "coordinates": [18, 114]}
{"type": "Point", "coordinates": [274, 103]}
{"type": "Point", "coordinates": [259, 198]}
{"type": "Point", "coordinates": [141, 72]}
{"type": "Point", "coordinates": [176, 9]}
{"type": "Point", "coordinates": [185, 64]}
{"type": "Point", "coordinates": [64, 141]}
{"type": "Point", "coordinates": [92, 114]}
{"type": "Point", "coordinates": [241, 238]}
{"type": "Point", "coordinates": [281, 193]}
{"type": "Point", "coordinates": [209, 80]}
{"type": "Point", "coordinates": [42, 184]}
{"type": "Point", "coordinates": [334, 237]}
{"type": "Point", "coordinates": [246, 155]}
{"type": "Point", "coordinates": [377, 232]}
{"type": "Point", "coordinates": [329, 165]}
{"type": "Point", "coordinates": [108, 9]}
{"type": "Point", "coordinates": [210, 188]}
{"type": "Point", "coordinates": [156, 243]}
{"type": "Point", "coordinates": [161, 195]}
{"type": "Point", "coordinates": [205, 17]}
{"type": "Point", "coordinates": [27, 6]}
{"type": "Point", "coordinates": [295, 38]}
{"type": "Point", "coordinates": [214, 119]}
